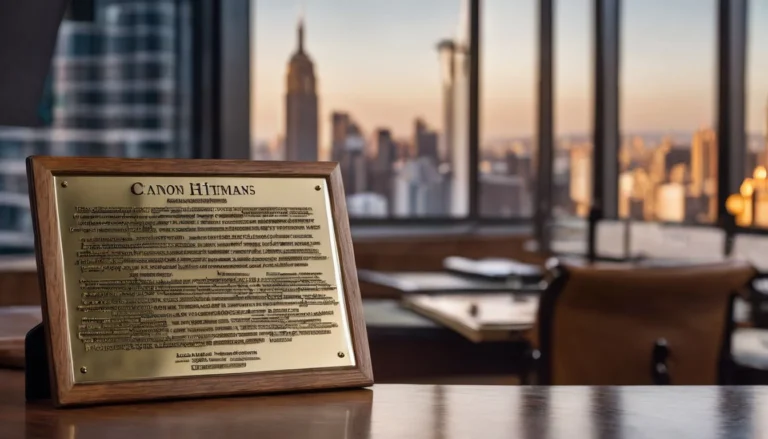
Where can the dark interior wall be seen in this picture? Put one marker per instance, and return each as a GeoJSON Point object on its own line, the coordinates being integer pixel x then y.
{"type": "Point", "coordinates": [427, 253]}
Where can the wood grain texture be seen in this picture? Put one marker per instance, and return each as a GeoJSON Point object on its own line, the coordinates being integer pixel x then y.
{"type": "Point", "coordinates": [41, 171]}
{"type": "Point", "coordinates": [346, 250]}
{"type": "Point", "coordinates": [407, 411]}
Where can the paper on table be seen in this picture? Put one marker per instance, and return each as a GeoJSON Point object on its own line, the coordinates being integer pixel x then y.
{"type": "Point", "coordinates": [490, 267]}
{"type": "Point", "coordinates": [491, 310]}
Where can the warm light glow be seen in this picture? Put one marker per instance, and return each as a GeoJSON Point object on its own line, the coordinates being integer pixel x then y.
{"type": "Point", "coordinates": [747, 188]}
{"type": "Point", "coordinates": [734, 204]}
{"type": "Point", "coordinates": [760, 173]}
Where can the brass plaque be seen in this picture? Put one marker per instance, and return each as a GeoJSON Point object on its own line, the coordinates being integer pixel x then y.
{"type": "Point", "coordinates": [184, 276]}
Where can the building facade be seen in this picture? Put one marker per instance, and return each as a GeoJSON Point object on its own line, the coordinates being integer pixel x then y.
{"type": "Point", "coordinates": [114, 90]}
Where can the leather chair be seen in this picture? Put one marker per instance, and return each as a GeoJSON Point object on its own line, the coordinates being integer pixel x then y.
{"type": "Point", "coordinates": [620, 324]}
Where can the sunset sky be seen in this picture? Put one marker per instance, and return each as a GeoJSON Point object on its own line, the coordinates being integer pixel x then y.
{"type": "Point", "coordinates": [377, 60]}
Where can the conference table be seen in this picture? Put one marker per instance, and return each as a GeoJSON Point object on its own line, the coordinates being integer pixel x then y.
{"type": "Point", "coordinates": [407, 411]}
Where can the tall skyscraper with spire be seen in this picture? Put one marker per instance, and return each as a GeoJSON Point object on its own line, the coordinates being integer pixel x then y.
{"type": "Point", "coordinates": [454, 147]}
{"type": "Point", "coordinates": [301, 119]}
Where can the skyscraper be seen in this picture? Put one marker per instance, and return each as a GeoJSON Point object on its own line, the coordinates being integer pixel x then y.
{"type": "Point", "coordinates": [339, 128]}
{"type": "Point", "coordinates": [446, 49]}
{"type": "Point", "coordinates": [301, 137]}
{"type": "Point", "coordinates": [425, 141]}
{"type": "Point", "coordinates": [348, 148]}
{"type": "Point", "coordinates": [704, 170]}
{"type": "Point", "coordinates": [454, 58]}
{"type": "Point", "coordinates": [119, 88]}
{"type": "Point", "coordinates": [386, 154]}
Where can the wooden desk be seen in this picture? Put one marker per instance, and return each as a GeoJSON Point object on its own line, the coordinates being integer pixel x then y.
{"type": "Point", "coordinates": [408, 411]}
{"type": "Point", "coordinates": [408, 348]}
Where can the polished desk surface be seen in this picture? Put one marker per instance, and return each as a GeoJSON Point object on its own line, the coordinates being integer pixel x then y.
{"type": "Point", "coordinates": [408, 411]}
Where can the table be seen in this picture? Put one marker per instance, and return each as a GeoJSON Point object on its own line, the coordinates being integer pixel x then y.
{"type": "Point", "coordinates": [408, 411]}
{"type": "Point", "coordinates": [406, 347]}
{"type": "Point", "coordinates": [480, 318]}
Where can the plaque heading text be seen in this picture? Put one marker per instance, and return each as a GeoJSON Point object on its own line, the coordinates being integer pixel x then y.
{"type": "Point", "coordinates": [205, 188]}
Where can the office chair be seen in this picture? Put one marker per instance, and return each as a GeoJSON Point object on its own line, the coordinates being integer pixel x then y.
{"type": "Point", "coordinates": [619, 324]}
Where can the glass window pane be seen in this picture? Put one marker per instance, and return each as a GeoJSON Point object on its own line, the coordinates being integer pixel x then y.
{"type": "Point", "coordinates": [379, 87]}
{"type": "Point", "coordinates": [668, 156]}
{"type": "Point", "coordinates": [114, 90]}
{"type": "Point", "coordinates": [507, 107]}
{"type": "Point", "coordinates": [573, 91]}
{"type": "Point", "coordinates": [757, 113]}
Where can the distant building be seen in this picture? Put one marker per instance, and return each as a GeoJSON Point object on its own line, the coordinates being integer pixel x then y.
{"type": "Point", "coordinates": [504, 196]}
{"type": "Point", "coordinates": [339, 130]}
{"type": "Point", "coordinates": [349, 149]}
{"type": "Point", "coordinates": [704, 171]}
{"type": "Point", "coordinates": [419, 189]}
{"type": "Point", "coordinates": [670, 202]}
{"type": "Point", "coordinates": [425, 141]}
{"type": "Point", "coordinates": [677, 155]}
{"type": "Point", "coordinates": [454, 147]}
{"type": "Point", "coordinates": [446, 50]}
{"type": "Point", "coordinates": [367, 205]}
{"type": "Point", "coordinates": [580, 187]}
{"type": "Point", "coordinates": [301, 131]}
{"type": "Point", "coordinates": [380, 177]}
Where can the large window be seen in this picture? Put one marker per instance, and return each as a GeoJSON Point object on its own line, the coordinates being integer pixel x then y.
{"type": "Point", "coordinates": [115, 89]}
{"type": "Point", "coordinates": [380, 87]}
{"type": "Point", "coordinates": [573, 109]}
{"type": "Point", "coordinates": [668, 153]}
{"type": "Point", "coordinates": [756, 158]}
{"type": "Point", "coordinates": [508, 108]}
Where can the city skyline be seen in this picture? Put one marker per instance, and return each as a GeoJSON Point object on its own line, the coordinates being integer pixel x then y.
{"type": "Point", "coordinates": [359, 76]}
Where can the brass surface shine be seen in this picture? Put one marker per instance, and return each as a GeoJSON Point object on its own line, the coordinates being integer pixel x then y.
{"type": "Point", "coordinates": [132, 252]}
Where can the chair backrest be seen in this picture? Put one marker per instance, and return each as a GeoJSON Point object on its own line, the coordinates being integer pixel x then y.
{"type": "Point", "coordinates": [600, 324]}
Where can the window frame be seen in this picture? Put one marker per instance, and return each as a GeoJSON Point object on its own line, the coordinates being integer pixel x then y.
{"type": "Point", "coordinates": [474, 131]}
{"type": "Point", "coordinates": [606, 26]}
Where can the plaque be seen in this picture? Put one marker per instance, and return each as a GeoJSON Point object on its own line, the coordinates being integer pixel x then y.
{"type": "Point", "coordinates": [188, 278]}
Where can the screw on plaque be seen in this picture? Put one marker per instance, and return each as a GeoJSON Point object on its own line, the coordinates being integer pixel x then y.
{"type": "Point", "coordinates": [340, 354]}
{"type": "Point", "coordinates": [64, 184]}
{"type": "Point", "coordinates": [83, 369]}
{"type": "Point", "coordinates": [317, 188]}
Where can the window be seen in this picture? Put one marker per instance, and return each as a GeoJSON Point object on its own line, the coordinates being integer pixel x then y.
{"type": "Point", "coordinates": [508, 107]}
{"type": "Point", "coordinates": [668, 153]}
{"type": "Point", "coordinates": [573, 109]}
{"type": "Point", "coordinates": [756, 158]}
{"type": "Point", "coordinates": [380, 87]}
{"type": "Point", "coordinates": [114, 87]}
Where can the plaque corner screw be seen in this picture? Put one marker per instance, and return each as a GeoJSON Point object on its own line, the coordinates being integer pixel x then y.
{"type": "Point", "coordinates": [341, 354]}
{"type": "Point", "coordinates": [317, 188]}
{"type": "Point", "coordinates": [65, 184]}
{"type": "Point", "coordinates": [83, 369]}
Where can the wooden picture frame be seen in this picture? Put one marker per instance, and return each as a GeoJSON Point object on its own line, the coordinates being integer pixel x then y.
{"type": "Point", "coordinates": [64, 391]}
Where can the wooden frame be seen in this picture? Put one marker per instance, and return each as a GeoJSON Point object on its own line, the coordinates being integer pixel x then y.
{"type": "Point", "coordinates": [41, 172]}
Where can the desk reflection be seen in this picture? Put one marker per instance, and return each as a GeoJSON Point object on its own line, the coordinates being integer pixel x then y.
{"type": "Point", "coordinates": [419, 412]}
{"type": "Point", "coordinates": [336, 414]}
